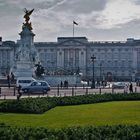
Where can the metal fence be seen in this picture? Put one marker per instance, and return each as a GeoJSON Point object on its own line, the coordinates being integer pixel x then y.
{"type": "Point", "coordinates": [12, 92]}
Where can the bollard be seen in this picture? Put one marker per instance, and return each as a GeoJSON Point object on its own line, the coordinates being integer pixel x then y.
{"type": "Point", "coordinates": [135, 89]}
{"type": "Point", "coordinates": [86, 90]}
{"type": "Point", "coordinates": [0, 91]}
{"type": "Point", "coordinates": [58, 90]}
{"type": "Point", "coordinates": [83, 86]}
{"type": "Point", "coordinates": [18, 97]}
{"type": "Point", "coordinates": [75, 86]}
{"type": "Point", "coordinates": [14, 91]}
{"type": "Point", "coordinates": [72, 91]}
{"type": "Point", "coordinates": [100, 90]}
{"type": "Point", "coordinates": [4, 97]}
{"type": "Point", "coordinates": [112, 90]}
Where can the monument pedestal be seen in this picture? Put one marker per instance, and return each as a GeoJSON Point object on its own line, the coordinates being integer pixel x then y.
{"type": "Point", "coordinates": [24, 69]}
{"type": "Point", "coordinates": [26, 54]}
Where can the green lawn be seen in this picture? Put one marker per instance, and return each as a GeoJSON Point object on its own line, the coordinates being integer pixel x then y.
{"type": "Point", "coordinates": [110, 113]}
{"type": "Point", "coordinates": [1, 101]}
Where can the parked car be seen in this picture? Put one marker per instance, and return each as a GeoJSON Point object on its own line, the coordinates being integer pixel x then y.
{"type": "Point", "coordinates": [24, 81]}
{"type": "Point", "coordinates": [118, 85]}
{"type": "Point", "coordinates": [84, 82]}
{"type": "Point", "coordinates": [109, 85]}
{"type": "Point", "coordinates": [36, 87]}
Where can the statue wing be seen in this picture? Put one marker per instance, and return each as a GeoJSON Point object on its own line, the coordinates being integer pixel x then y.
{"type": "Point", "coordinates": [30, 12]}
{"type": "Point", "coordinates": [25, 10]}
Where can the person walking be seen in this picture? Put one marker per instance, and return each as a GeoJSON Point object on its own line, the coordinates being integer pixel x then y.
{"type": "Point", "coordinates": [61, 84]}
{"type": "Point", "coordinates": [131, 88]}
{"type": "Point", "coordinates": [8, 80]}
{"type": "Point", "coordinates": [126, 88]}
{"type": "Point", "coordinates": [19, 92]}
{"type": "Point", "coordinates": [12, 77]}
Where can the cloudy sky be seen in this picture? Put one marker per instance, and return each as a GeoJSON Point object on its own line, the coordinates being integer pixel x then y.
{"type": "Point", "coordinates": [97, 19]}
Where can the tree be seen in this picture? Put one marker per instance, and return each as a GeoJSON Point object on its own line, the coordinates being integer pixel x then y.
{"type": "Point", "coordinates": [39, 70]}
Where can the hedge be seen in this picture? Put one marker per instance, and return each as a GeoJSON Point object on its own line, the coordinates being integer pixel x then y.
{"type": "Point", "coordinates": [119, 132]}
{"type": "Point", "coordinates": [43, 104]}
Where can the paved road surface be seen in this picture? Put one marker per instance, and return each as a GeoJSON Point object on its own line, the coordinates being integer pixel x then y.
{"type": "Point", "coordinates": [11, 93]}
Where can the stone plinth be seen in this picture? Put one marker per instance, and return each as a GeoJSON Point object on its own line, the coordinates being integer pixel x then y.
{"type": "Point", "coordinates": [26, 54]}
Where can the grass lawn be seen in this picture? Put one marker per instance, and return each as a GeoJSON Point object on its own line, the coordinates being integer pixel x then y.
{"type": "Point", "coordinates": [110, 113]}
{"type": "Point", "coordinates": [1, 101]}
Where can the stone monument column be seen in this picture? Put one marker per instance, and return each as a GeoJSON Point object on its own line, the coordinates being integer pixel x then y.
{"type": "Point", "coordinates": [26, 54]}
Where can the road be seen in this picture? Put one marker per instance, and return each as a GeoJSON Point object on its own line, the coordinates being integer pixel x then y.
{"type": "Point", "coordinates": [11, 93]}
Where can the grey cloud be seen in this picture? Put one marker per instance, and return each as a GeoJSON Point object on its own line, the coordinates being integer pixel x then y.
{"type": "Point", "coordinates": [137, 2]}
{"type": "Point", "coordinates": [53, 18]}
{"type": "Point", "coordinates": [135, 23]}
{"type": "Point", "coordinates": [37, 4]}
{"type": "Point", "coordinates": [83, 6]}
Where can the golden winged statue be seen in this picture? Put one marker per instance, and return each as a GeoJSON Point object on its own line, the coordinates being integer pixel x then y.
{"type": "Point", "coordinates": [27, 14]}
{"type": "Point", "coordinates": [27, 18]}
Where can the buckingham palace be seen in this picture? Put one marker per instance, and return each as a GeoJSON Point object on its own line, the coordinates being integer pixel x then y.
{"type": "Point", "coordinates": [115, 60]}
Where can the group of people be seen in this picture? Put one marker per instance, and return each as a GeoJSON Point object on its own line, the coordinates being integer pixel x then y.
{"type": "Point", "coordinates": [65, 84]}
{"type": "Point", "coordinates": [10, 78]}
{"type": "Point", "coordinates": [128, 87]}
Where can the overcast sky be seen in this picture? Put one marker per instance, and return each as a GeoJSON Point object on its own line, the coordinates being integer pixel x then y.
{"type": "Point", "coordinates": [97, 19]}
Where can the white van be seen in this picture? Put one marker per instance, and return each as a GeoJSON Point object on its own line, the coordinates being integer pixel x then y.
{"type": "Point", "coordinates": [24, 81]}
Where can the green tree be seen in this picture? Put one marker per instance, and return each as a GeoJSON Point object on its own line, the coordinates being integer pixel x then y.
{"type": "Point", "coordinates": [39, 70]}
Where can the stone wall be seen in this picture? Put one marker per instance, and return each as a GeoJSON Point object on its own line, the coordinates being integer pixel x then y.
{"type": "Point", "coordinates": [55, 80]}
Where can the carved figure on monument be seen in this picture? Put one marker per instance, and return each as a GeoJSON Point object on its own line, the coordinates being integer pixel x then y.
{"type": "Point", "coordinates": [23, 54]}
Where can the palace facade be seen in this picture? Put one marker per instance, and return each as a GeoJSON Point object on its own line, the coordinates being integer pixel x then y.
{"type": "Point", "coordinates": [115, 61]}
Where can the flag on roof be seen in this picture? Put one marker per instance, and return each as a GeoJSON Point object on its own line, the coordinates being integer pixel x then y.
{"type": "Point", "coordinates": [75, 23]}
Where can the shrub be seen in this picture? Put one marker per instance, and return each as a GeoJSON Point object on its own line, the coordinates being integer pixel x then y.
{"type": "Point", "coordinates": [29, 105]}
{"type": "Point", "coordinates": [118, 132]}
{"type": "Point", "coordinates": [41, 105]}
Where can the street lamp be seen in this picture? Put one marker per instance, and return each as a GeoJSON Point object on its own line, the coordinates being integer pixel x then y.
{"type": "Point", "coordinates": [100, 72]}
{"type": "Point", "coordinates": [93, 80]}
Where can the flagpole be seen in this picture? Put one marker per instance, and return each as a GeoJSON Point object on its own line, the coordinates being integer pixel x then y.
{"type": "Point", "coordinates": [73, 29]}
{"type": "Point", "coordinates": [74, 23]}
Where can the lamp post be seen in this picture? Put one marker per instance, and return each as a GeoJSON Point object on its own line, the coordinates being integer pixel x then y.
{"type": "Point", "coordinates": [100, 72]}
{"type": "Point", "coordinates": [93, 80]}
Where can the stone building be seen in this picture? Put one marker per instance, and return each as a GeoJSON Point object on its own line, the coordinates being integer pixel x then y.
{"type": "Point", "coordinates": [7, 52]}
{"type": "Point", "coordinates": [115, 61]}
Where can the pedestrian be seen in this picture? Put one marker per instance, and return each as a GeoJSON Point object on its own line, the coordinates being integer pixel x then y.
{"type": "Point", "coordinates": [67, 84]}
{"type": "Point", "coordinates": [61, 84]}
{"type": "Point", "coordinates": [12, 77]}
{"type": "Point", "coordinates": [19, 92]}
{"type": "Point", "coordinates": [0, 91]}
{"type": "Point", "coordinates": [8, 80]}
{"type": "Point", "coordinates": [126, 88]}
{"type": "Point", "coordinates": [88, 83]}
{"type": "Point", "coordinates": [131, 88]}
